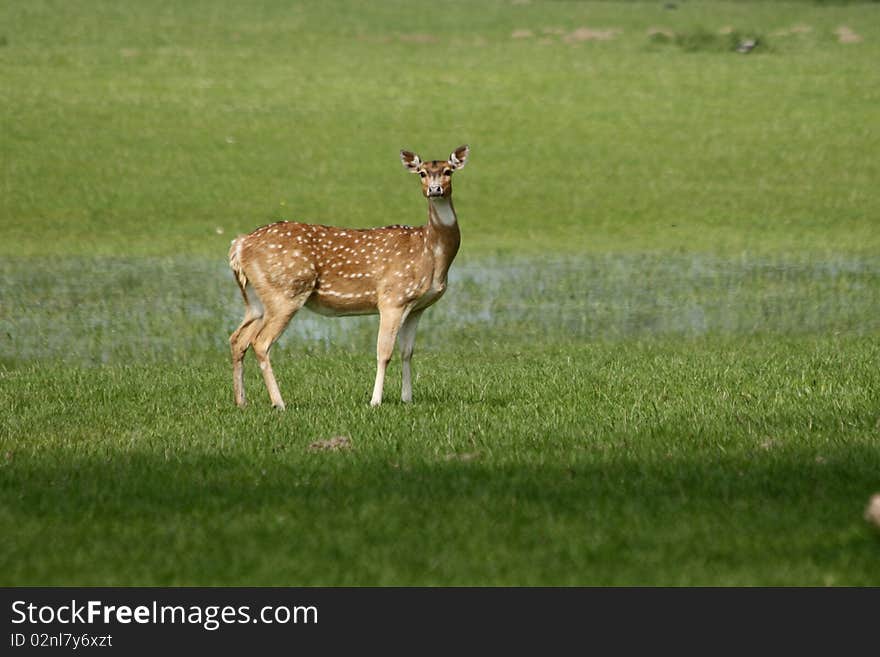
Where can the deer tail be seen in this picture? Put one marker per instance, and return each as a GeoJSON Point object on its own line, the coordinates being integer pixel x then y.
{"type": "Point", "coordinates": [236, 266]}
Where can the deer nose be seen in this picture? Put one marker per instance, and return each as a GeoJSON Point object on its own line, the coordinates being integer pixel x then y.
{"type": "Point", "coordinates": [435, 189]}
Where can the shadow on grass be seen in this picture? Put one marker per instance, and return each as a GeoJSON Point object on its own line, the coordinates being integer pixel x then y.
{"type": "Point", "coordinates": [349, 518]}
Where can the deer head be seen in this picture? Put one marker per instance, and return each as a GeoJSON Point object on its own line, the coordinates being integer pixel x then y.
{"type": "Point", "coordinates": [436, 175]}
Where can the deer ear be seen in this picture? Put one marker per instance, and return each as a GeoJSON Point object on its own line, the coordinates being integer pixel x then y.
{"type": "Point", "coordinates": [410, 160]}
{"type": "Point", "coordinates": [459, 157]}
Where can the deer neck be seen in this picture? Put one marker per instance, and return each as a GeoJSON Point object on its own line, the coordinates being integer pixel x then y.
{"type": "Point", "coordinates": [443, 235]}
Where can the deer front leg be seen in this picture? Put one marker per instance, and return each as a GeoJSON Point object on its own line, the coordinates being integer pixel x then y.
{"type": "Point", "coordinates": [407, 340]}
{"type": "Point", "coordinates": [390, 320]}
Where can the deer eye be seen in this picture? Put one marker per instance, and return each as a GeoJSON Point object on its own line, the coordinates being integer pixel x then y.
{"type": "Point", "coordinates": [448, 172]}
{"type": "Point", "coordinates": [423, 174]}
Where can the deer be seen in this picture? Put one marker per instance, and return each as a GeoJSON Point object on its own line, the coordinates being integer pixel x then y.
{"type": "Point", "coordinates": [394, 271]}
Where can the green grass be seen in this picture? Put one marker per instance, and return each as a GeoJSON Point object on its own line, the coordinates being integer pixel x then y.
{"type": "Point", "coordinates": [657, 363]}
{"type": "Point", "coordinates": [739, 462]}
{"type": "Point", "coordinates": [143, 128]}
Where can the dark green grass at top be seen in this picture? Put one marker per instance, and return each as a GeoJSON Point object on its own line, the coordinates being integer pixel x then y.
{"type": "Point", "coordinates": [166, 128]}
{"type": "Point", "coordinates": [732, 462]}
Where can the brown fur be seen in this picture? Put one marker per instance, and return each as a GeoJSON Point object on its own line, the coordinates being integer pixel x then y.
{"type": "Point", "coordinates": [395, 271]}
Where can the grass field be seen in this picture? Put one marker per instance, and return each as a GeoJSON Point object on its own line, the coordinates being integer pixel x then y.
{"type": "Point", "coordinates": [658, 362]}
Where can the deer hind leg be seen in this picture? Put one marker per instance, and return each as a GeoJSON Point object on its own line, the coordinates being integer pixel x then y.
{"type": "Point", "coordinates": [275, 320]}
{"type": "Point", "coordinates": [407, 340]}
{"type": "Point", "coordinates": [390, 320]}
{"type": "Point", "coordinates": [240, 340]}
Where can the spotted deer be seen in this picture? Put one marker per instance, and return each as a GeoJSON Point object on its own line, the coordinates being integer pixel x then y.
{"type": "Point", "coordinates": [395, 272]}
